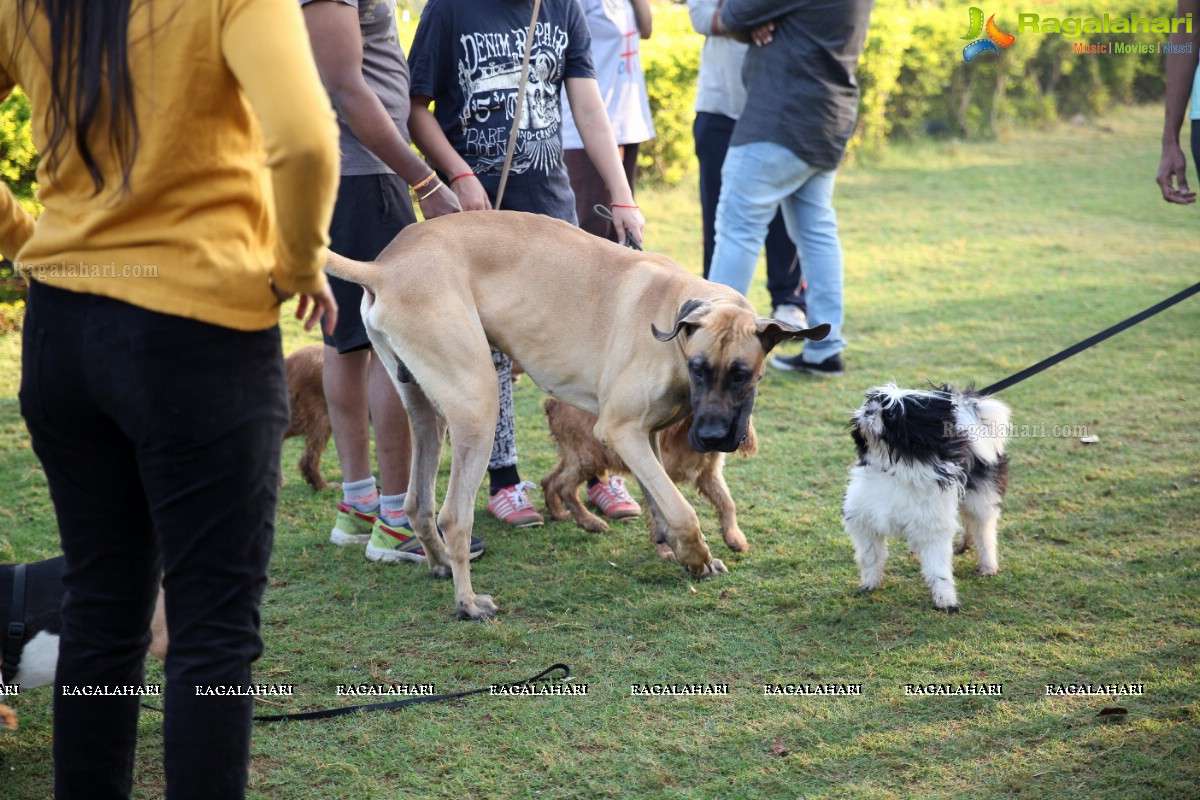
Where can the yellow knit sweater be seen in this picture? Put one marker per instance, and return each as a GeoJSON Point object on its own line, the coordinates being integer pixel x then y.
{"type": "Point", "coordinates": [235, 173]}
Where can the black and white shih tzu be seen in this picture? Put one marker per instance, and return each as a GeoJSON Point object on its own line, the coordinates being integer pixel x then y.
{"type": "Point", "coordinates": [924, 458]}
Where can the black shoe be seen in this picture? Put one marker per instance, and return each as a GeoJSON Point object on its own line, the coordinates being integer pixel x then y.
{"type": "Point", "coordinates": [830, 366]}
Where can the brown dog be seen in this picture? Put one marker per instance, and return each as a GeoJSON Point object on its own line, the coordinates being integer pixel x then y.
{"type": "Point", "coordinates": [310, 415]}
{"type": "Point", "coordinates": [628, 335]}
{"type": "Point", "coordinates": [580, 457]}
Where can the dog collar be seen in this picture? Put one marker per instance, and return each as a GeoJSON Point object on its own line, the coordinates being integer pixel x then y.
{"type": "Point", "coordinates": [16, 628]}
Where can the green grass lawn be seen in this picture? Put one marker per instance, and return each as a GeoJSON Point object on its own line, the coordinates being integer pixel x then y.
{"type": "Point", "coordinates": [964, 262]}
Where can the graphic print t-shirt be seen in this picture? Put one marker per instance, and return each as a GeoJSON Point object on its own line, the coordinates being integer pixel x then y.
{"type": "Point", "coordinates": [467, 54]}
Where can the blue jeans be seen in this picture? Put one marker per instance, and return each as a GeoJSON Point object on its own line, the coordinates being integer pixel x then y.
{"type": "Point", "coordinates": [784, 282]}
{"type": "Point", "coordinates": [755, 179]}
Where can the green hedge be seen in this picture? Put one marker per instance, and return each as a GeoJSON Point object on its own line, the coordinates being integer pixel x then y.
{"type": "Point", "coordinates": [914, 79]}
{"type": "Point", "coordinates": [18, 157]}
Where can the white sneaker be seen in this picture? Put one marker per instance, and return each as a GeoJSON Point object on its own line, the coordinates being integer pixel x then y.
{"type": "Point", "coordinates": [790, 314]}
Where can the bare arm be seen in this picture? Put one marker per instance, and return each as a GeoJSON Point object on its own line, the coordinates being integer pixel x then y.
{"type": "Point", "coordinates": [591, 119]}
{"type": "Point", "coordinates": [641, 13]}
{"type": "Point", "coordinates": [428, 135]}
{"type": "Point", "coordinates": [1181, 71]}
{"type": "Point", "coordinates": [337, 45]}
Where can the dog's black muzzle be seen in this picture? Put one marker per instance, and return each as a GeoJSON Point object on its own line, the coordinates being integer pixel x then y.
{"type": "Point", "coordinates": [720, 425]}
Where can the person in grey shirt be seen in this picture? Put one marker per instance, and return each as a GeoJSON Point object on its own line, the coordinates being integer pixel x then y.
{"type": "Point", "coordinates": [801, 106]}
{"type": "Point", "coordinates": [357, 50]}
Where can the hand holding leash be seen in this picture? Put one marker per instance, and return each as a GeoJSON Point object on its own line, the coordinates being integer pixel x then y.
{"type": "Point", "coordinates": [629, 223]}
{"type": "Point", "coordinates": [624, 235]}
{"type": "Point", "coordinates": [470, 193]}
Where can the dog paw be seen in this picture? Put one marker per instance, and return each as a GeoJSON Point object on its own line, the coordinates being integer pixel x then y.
{"type": "Point", "coordinates": [481, 608]}
{"type": "Point", "coordinates": [665, 552]}
{"type": "Point", "coordinates": [594, 525]}
{"type": "Point", "coordinates": [8, 718]}
{"type": "Point", "coordinates": [962, 547]}
{"type": "Point", "coordinates": [987, 571]}
{"type": "Point", "coordinates": [439, 570]}
{"type": "Point", "coordinates": [949, 609]}
{"type": "Point", "coordinates": [863, 588]}
{"type": "Point", "coordinates": [736, 541]}
{"type": "Point", "coordinates": [709, 570]}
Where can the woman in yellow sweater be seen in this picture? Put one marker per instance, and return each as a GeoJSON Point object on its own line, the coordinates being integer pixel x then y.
{"type": "Point", "coordinates": [188, 175]}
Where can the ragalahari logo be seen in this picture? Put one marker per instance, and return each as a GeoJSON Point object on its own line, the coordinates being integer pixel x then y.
{"type": "Point", "coordinates": [995, 36]}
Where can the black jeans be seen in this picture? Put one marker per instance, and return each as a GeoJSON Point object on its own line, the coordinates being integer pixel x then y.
{"type": "Point", "coordinates": [784, 281]}
{"type": "Point", "coordinates": [160, 438]}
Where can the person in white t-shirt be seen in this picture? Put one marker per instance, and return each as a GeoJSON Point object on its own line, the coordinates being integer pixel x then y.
{"type": "Point", "coordinates": [616, 26]}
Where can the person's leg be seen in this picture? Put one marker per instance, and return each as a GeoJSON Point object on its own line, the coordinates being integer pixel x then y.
{"type": "Point", "coordinates": [509, 501]}
{"type": "Point", "coordinates": [629, 160]}
{"type": "Point", "coordinates": [813, 222]}
{"type": "Point", "coordinates": [345, 379]}
{"type": "Point", "coordinates": [213, 499]}
{"type": "Point", "coordinates": [762, 174]}
{"type": "Point", "coordinates": [712, 133]}
{"type": "Point", "coordinates": [1195, 126]}
{"type": "Point", "coordinates": [370, 211]}
{"type": "Point", "coordinates": [784, 279]}
{"type": "Point", "coordinates": [207, 439]}
{"type": "Point", "coordinates": [589, 191]}
{"type": "Point", "coordinates": [111, 573]}
{"type": "Point", "coordinates": [393, 442]}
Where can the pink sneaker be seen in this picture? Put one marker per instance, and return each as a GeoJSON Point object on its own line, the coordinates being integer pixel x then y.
{"type": "Point", "coordinates": [614, 499]}
{"type": "Point", "coordinates": [512, 505]}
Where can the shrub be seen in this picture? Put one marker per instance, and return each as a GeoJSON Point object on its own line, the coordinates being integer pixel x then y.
{"type": "Point", "coordinates": [929, 86]}
{"type": "Point", "coordinates": [18, 157]}
{"type": "Point", "coordinates": [671, 62]}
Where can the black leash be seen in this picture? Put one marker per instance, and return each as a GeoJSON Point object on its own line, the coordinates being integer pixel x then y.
{"type": "Point", "coordinates": [1041, 366]}
{"type": "Point", "coordinates": [329, 713]}
{"type": "Point", "coordinates": [16, 628]}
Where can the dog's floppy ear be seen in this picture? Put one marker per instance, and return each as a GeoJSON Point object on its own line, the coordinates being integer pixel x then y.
{"type": "Point", "coordinates": [689, 316]}
{"type": "Point", "coordinates": [771, 332]}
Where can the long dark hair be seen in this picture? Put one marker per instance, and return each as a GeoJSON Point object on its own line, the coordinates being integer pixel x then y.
{"type": "Point", "coordinates": [89, 53]}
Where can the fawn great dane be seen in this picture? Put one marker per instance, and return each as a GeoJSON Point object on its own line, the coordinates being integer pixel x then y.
{"type": "Point", "coordinates": [628, 335]}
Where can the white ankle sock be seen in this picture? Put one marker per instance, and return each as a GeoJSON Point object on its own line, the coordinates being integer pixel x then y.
{"type": "Point", "coordinates": [362, 495]}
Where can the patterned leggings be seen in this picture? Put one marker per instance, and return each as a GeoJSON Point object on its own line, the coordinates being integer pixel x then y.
{"type": "Point", "coordinates": [504, 449]}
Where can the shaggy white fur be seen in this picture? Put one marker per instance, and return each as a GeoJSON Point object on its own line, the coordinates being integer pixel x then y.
{"type": "Point", "coordinates": [925, 458]}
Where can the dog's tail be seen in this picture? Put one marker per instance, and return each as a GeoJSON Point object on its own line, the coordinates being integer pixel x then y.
{"type": "Point", "coordinates": [364, 273]}
{"type": "Point", "coordinates": [987, 421]}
